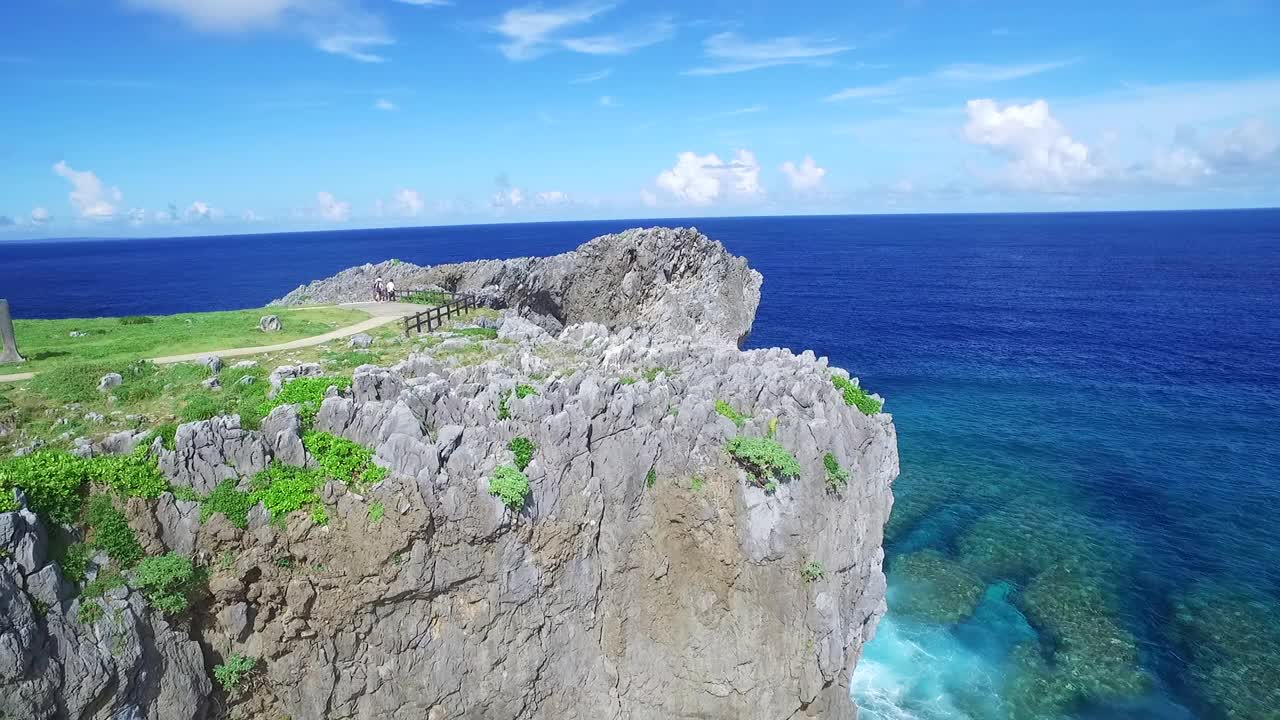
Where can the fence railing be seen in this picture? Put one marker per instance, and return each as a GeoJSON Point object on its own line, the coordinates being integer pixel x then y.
{"type": "Point", "coordinates": [430, 320]}
{"type": "Point", "coordinates": [424, 297]}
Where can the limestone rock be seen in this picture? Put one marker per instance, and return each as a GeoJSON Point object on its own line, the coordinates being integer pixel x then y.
{"type": "Point", "coordinates": [213, 362]}
{"type": "Point", "coordinates": [270, 323]}
{"type": "Point", "coordinates": [285, 373]}
{"type": "Point", "coordinates": [109, 381]}
{"type": "Point", "coordinates": [361, 340]}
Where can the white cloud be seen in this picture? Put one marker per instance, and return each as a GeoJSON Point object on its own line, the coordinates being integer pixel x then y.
{"type": "Point", "coordinates": [1042, 155]}
{"type": "Point", "coordinates": [200, 211]}
{"type": "Point", "coordinates": [331, 208]}
{"type": "Point", "coordinates": [608, 101]}
{"type": "Point", "coordinates": [88, 196]}
{"type": "Point", "coordinates": [1179, 166]}
{"type": "Point", "coordinates": [806, 176]}
{"type": "Point", "coordinates": [356, 47]}
{"type": "Point", "coordinates": [40, 216]}
{"type": "Point", "coordinates": [426, 3]}
{"type": "Point", "coordinates": [137, 216]}
{"type": "Point", "coordinates": [529, 29]}
{"type": "Point", "coordinates": [508, 198]}
{"type": "Point", "coordinates": [408, 202]}
{"type": "Point", "coordinates": [948, 76]}
{"type": "Point", "coordinates": [752, 109]}
{"type": "Point", "coordinates": [704, 179]}
{"type": "Point", "coordinates": [341, 27]}
{"type": "Point", "coordinates": [553, 197]}
{"type": "Point", "coordinates": [1254, 142]}
{"type": "Point", "coordinates": [902, 187]}
{"type": "Point", "coordinates": [385, 105]}
{"type": "Point", "coordinates": [592, 77]}
{"type": "Point", "coordinates": [729, 53]}
{"type": "Point", "coordinates": [648, 198]}
{"type": "Point", "coordinates": [621, 43]}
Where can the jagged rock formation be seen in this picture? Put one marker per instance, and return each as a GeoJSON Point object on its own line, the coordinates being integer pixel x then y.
{"type": "Point", "coordinates": [663, 281]}
{"type": "Point", "coordinates": [648, 575]}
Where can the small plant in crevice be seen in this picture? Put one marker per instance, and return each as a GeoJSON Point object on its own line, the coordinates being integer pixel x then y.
{"type": "Point", "coordinates": [856, 396]}
{"type": "Point", "coordinates": [813, 571]}
{"type": "Point", "coordinates": [75, 562]}
{"type": "Point", "coordinates": [523, 391]}
{"type": "Point", "coordinates": [226, 499]}
{"type": "Point", "coordinates": [110, 532]}
{"type": "Point", "coordinates": [697, 483]}
{"type": "Point", "coordinates": [376, 512]}
{"type": "Point", "coordinates": [765, 459]}
{"type": "Point", "coordinates": [89, 613]}
{"type": "Point", "coordinates": [167, 581]}
{"type": "Point", "coordinates": [837, 477]}
{"type": "Point", "coordinates": [523, 448]}
{"type": "Point", "coordinates": [235, 671]}
{"type": "Point", "coordinates": [105, 582]}
{"type": "Point", "coordinates": [727, 410]}
{"type": "Point", "coordinates": [510, 486]}
{"type": "Point", "coordinates": [773, 427]}
{"type": "Point", "coordinates": [626, 380]}
{"type": "Point", "coordinates": [652, 478]}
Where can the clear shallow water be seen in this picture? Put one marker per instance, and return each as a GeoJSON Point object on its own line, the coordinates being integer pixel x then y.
{"type": "Point", "coordinates": [1088, 516]}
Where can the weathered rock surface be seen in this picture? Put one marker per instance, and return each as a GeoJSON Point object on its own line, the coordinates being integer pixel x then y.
{"type": "Point", "coordinates": [647, 576]}
{"type": "Point", "coordinates": [663, 281]}
{"type": "Point", "coordinates": [270, 323]}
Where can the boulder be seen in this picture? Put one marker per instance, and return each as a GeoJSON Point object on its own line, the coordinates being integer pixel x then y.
{"type": "Point", "coordinates": [109, 382]}
{"type": "Point", "coordinates": [213, 362]}
{"type": "Point", "coordinates": [361, 340]}
{"type": "Point", "coordinates": [270, 323]}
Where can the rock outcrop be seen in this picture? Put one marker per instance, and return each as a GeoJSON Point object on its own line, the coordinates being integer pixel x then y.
{"type": "Point", "coordinates": [662, 281]}
{"type": "Point", "coordinates": [649, 573]}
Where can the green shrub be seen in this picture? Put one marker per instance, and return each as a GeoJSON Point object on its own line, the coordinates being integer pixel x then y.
{"type": "Point", "coordinates": [307, 393]}
{"type": "Point", "coordinates": [813, 571]}
{"type": "Point", "coordinates": [698, 483]}
{"type": "Point", "coordinates": [511, 486]}
{"type": "Point", "coordinates": [523, 391]}
{"type": "Point", "coordinates": [319, 515]}
{"type": "Point", "coordinates": [75, 562]}
{"type": "Point", "coordinates": [523, 448]}
{"type": "Point", "coordinates": [283, 489]}
{"type": "Point", "coordinates": [426, 298]}
{"type": "Point", "coordinates": [106, 581]}
{"type": "Point", "coordinates": [8, 501]}
{"type": "Point", "coordinates": [110, 532]}
{"type": "Point", "coordinates": [89, 613]}
{"type": "Point", "coordinates": [837, 477]}
{"type": "Point", "coordinates": [226, 499]}
{"type": "Point", "coordinates": [185, 493]}
{"type": "Point", "coordinates": [53, 481]}
{"type": "Point", "coordinates": [727, 410]}
{"type": "Point", "coordinates": [764, 458]}
{"type": "Point", "coordinates": [856, 396]}
{"type": "Point", "coordinates": [168, 434]}
{"type": "Point", "coordinates": [626, 380]}
{"type": "Point", "coordinates": [233, 672]}
{"type": "Point", "coordinates": [167, 582]}
{"type": "Point", "coordinates": [504, 412]}
{"type": "Point", "coordinates": [342, 459]}
{"type": "Point", "coordinates": [652, 373]}
{"type": "Point", "coordinates": [376, 511]}
{"type": "Point", "coordinates": [136, 320]}
{"type": "Point", "coordinates": [651, 478]}
{"type": "Point", "coordinates": [133, 475]}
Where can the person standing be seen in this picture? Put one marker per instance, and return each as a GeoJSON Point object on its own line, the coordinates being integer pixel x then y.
{"type": "Point", "coordinates": [379, 290]}
{"type": "Point", "coordinates": [391, 291]}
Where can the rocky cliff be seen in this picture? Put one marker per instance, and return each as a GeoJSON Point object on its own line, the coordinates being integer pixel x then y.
{"type": "Point", "coordinates": [661, 281]}
{"type": "Point", "coordinates": [700, 539]}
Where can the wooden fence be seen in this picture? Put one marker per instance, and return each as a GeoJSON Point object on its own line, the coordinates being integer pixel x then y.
{"type": "Point", "coordinates": [431, 319]}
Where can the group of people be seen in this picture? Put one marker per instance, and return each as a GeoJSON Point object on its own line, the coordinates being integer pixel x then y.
{"type": "Point", "coordinates": [384, 290]}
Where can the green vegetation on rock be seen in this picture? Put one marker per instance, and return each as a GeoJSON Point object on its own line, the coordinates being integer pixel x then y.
{"type": "Point", "coordinates": [764, 458]}
{"type": "Point", "coordinates": [523, 448]}
{"type": "Point", "coordinates": [53, 481]}
{"type": "Point", "coordinates": [651, 478]}
{"type": "Point", "coordinates": [232, 673]}
{"type": "Point", "coordinates": [227, 500]}
{"type": "Point", "coordinates": [283, 489]}
{"type": "Point", "coordinates": [167, 581]}
{"type": "Point", "coordinates": [509, 485]}
{"type": "Point", "coordinates": [837, 477]}
{"type": "Point", "coordinates": [376, 512]}
{"type": "Point", "coordinates": [856, 396]}
{"type": "Point", "coordinates": [110, 532]}
{"type": "Point", "coordinates": [727, 410]}
{"type": "Point", "coordinates": [343, 460]}
{"type": "Point", "coordinates": [307, 393]}
{"type": "Point", "coordinates": [813, 571]}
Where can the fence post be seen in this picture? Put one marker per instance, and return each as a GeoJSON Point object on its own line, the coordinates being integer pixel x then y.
{"type": "Point", "coordinates": [8, 341]}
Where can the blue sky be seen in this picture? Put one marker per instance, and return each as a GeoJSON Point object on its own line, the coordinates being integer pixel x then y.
{"type": "Point", "coordinates": [171, 117]}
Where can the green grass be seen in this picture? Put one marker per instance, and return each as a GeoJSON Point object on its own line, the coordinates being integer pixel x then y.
{"type": "Point", "coordinates": [283, 489]}
{"type": "Point", "coordinates": [114, 342]}
{"type": "Point", "coordinates": [427, 298]}
{"type": "Point", "coordinates": [344, 460]}
{"type": "Point", "coordinates": [856, 396]}
{"type": "Point", "coordinates": [307, 393]}
{"type": "Point", "coordinates": [476, 332]}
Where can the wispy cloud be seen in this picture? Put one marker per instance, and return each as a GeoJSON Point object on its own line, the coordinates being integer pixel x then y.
{"type": "Point", "coordinates": [530, 29]}
{"type": "Point", "coordinates": [592, 77]}
{"type": "Point", "coordinates": [750, 110]}
{"type": "Point", "coordinates": [623, 42]}
{"type": "Point", "coordinates": [426, 3]}
{"type": "Point", "coordinates": [356, 47]}
{"type": "Point", "coordinates": [950, 75]}
{"type": "Point", "coordinates": [608, 101]}
{"type": "Point", "coordinates": [385, 105]}
{"type": "Point", "coordinates": [729, 53]}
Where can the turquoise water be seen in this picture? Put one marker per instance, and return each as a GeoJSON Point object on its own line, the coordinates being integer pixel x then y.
{"type": "Point", "coordinates": [1087, 524]}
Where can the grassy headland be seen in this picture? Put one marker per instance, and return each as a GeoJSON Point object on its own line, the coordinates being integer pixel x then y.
{"type": "Point", "coordinates": [49, 343]}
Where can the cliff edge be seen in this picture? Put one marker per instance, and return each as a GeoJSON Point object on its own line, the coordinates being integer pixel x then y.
{"type": "Point", "coordinates": [698, 535]}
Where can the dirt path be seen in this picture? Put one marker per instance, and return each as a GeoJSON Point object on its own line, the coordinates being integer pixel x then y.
{"type": "Point", "coordinates": [382, 314]}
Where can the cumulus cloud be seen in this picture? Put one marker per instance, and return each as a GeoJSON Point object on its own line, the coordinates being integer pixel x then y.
{"type": "Point", "coordinates": [88, 196]}
{"type": "Point", "coordinates": [1252, 144]}
{"type": "Point", "coordinates": [200, 211]}
{"type": "Point", "coordinates": [805, 177]}
{"type": "Point", "coordinates": [385, 105]}
{"type": "Point", "coordinates": [331, 208]}
{"type": "Point", "coordinates": [408, 202]}
{"type": "Point", "coordinates": [704, 179]}
{"type": "Point", "coordinates": [728, 53]}
{"type": "Point", "coordinates": [40, 216]}
{"type": "Point", "coordinates": [552, 197]}
{"type": "Point", "coordinates": [1042, 155]}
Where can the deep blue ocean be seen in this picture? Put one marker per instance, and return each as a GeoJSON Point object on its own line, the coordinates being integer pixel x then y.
{"type": "Point", "coordinates": [1087, 524]}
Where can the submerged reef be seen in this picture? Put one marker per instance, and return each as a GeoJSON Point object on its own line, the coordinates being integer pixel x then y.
{"type": "Point", "coordinates": [928, 586]}
{"type": "Point", "coordinates": [1233, 642]}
